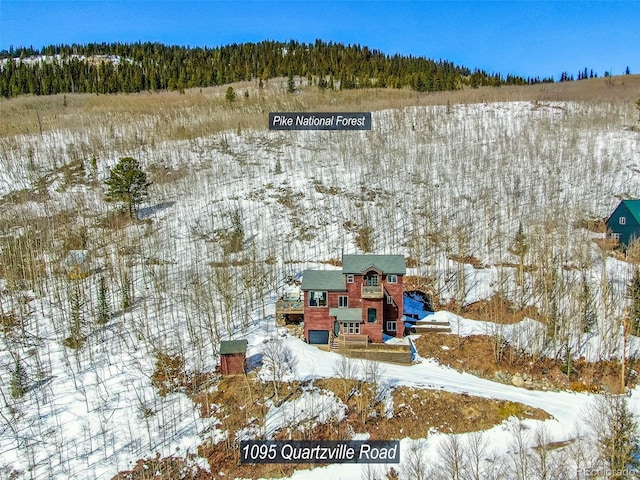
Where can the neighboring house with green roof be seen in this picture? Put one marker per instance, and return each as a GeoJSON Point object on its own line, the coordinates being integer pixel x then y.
{"type": "Point", "coordinates": [624, 223]}
{"type": "Point", "coordinates": [361, 302]}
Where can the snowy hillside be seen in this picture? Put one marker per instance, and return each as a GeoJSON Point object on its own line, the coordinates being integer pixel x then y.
{"type": "Point", "coordinates": [436, 184]}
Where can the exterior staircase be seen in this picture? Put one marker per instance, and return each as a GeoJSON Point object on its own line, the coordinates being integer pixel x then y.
{"type": "Point", "coordinates": [426, 326]}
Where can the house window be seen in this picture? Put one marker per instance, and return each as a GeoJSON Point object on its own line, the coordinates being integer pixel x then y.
{"type": "Point", "coordinates": [392, 279]}
{"type": "Point", "coordinates": [622, 220]}
{"type": "Point", "coordinates": [317, 299]}
{"type": "Point", "coordinates": [392, 326]}
{"type": "Point", "coordinates": [389, 300]}
{"type": "Point", "coordinates": [343, 301]}
{"type": "Point", "coordinates": [349, 278]}
{"type": "Point", "coordinates": [615, 236]}
{"type": "Point", "coordinates": [372, 315]}
{"type": "Point", "coordinates": [351, 328]}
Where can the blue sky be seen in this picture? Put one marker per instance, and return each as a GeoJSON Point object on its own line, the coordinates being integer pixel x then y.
{"type": "Point", "coordinates": [528, 38]}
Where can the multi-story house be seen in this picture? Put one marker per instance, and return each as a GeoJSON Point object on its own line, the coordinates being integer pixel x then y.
{"type": "Point", "coordinates": [360, 303]}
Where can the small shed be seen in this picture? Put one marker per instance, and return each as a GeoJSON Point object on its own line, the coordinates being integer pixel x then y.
{"type": "Point", "coordinates": [233, 356]}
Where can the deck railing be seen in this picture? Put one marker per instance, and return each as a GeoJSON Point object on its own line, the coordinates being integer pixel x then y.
{"type": "Point", "coordinates": [372, 291]}
{"type": "Point", "coordinates": [290, 306]}
{"type": "Point", "coordinates": [352, 339]}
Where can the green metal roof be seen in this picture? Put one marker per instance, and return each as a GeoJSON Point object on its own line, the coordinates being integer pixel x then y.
{"type": "Point", "coordinates": [386, 263]}
{"type": "Point", "coordinates": [233, 346]}
{"type": "Point", "coordinates": [346, 314]}
{"type": "Point", "coordinates": [320, 280]}
{"type": "Point", "coordinates": [634, 208]}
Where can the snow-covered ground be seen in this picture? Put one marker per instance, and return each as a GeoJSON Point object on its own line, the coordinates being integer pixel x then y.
{"type": "Point", "coordinates": [432, 185]}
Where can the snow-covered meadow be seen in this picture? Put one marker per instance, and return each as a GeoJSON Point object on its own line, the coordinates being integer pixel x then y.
{"type": "Point", "coordinates": [433, 183]}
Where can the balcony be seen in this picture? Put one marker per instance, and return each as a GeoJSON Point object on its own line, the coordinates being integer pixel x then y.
{"type": "Point", "coordinates": [375, 292]}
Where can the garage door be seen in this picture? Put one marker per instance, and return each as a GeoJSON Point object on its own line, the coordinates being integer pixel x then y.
{"type": "Point", "coordinates": [319, 337]}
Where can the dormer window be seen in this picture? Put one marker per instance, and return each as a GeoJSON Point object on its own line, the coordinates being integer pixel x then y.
{"type": "Point", "coordinates": [371, 279]}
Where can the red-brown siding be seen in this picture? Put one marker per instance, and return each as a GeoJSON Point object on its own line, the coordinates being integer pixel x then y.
{"type": "Point", "coordinates": [317, 318]}
{"type": "Point", "coordinates": [232, 363]}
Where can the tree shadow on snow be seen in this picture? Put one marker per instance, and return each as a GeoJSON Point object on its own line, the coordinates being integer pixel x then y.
{"type": "Point", "coordinates": [147, 212]}
{"type": "Point", "coordinates": [253, 362]}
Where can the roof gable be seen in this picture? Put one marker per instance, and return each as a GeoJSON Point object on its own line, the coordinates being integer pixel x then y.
{"type": "Point", "coordinates": [386, 263]}
{"type": "Point", "coordinates": [630, 206]}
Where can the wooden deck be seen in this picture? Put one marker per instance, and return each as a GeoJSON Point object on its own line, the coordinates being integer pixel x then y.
{"type": "Point", "coordinates": [358, 346]}
{"type": "Point", "coordinates": [289, 307]}
{"type": "Point", "coordinates": [352, 340]}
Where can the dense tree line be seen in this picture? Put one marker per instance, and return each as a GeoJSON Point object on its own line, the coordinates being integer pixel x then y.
{"type": "Point", "coordinates": [121, 67]}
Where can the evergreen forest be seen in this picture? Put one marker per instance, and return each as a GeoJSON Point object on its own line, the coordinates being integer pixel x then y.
{"type": "Point", "coordinates": [127, 68]}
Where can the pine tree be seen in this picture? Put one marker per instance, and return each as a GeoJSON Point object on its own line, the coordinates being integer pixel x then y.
{"type": "Point", "coordinates": [127, 183]}
{"type": "Point", "coordinates": [278, 167]}
{"type": "Point", "coordinates": [291, 84]}
{"type": "Point", "coordinates": [18, 380]}
{"type": "Point", "coordinates": [104, 311]}
{"type": "Point", "coordinates": [75, 340]}
{"type": "Point", "coordinates": [520, 248]}
{"type": "Point", "coordinates": [616, 434]}
{"type": "Point", "coordinates": [126, 291]}
{"type": "Point", "coordinates": [230, 96]}
{"type": "Point", "coordinates": [633, 292]}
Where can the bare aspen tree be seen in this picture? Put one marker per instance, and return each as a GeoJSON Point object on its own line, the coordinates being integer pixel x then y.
{"type": "Point", "coordinates": [519, 449]}
{"type": "Point", "coordinates": [255, 278]}
{"type": "Point", "coordinates": [226, 286]}
{"type": "Point", "coordinates": [541, 454]}
{"type": "Point", "coordinates": [279, 360]}
{"type": "Point", "coordinates": [452, 458]}
{"type": "Point", "coordinates": [345, 370]}
{"type": "Point", "coordinates": [415, 465]}
{"type": "Point", "coordinates": [475, 452]}
{"type": "Point", "coordinates": [577, 451]}
{"type": "Point", "coordinates": [373, 372]}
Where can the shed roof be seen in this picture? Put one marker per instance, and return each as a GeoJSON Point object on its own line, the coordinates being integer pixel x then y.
{"type": "Point", "coordinates": [229, 347]}
{"type": "Point", "coordinates": [387, 263]}
{"type": "Point", "coordinates": [323, 280]}
{"type": "Point", "coordinates": [634, 208]}
{"type": "Point", "coordinates": [346, 314]}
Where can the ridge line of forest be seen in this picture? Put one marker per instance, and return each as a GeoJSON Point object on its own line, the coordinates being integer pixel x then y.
{"type": "Point", "coordinates": [136, 67]}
